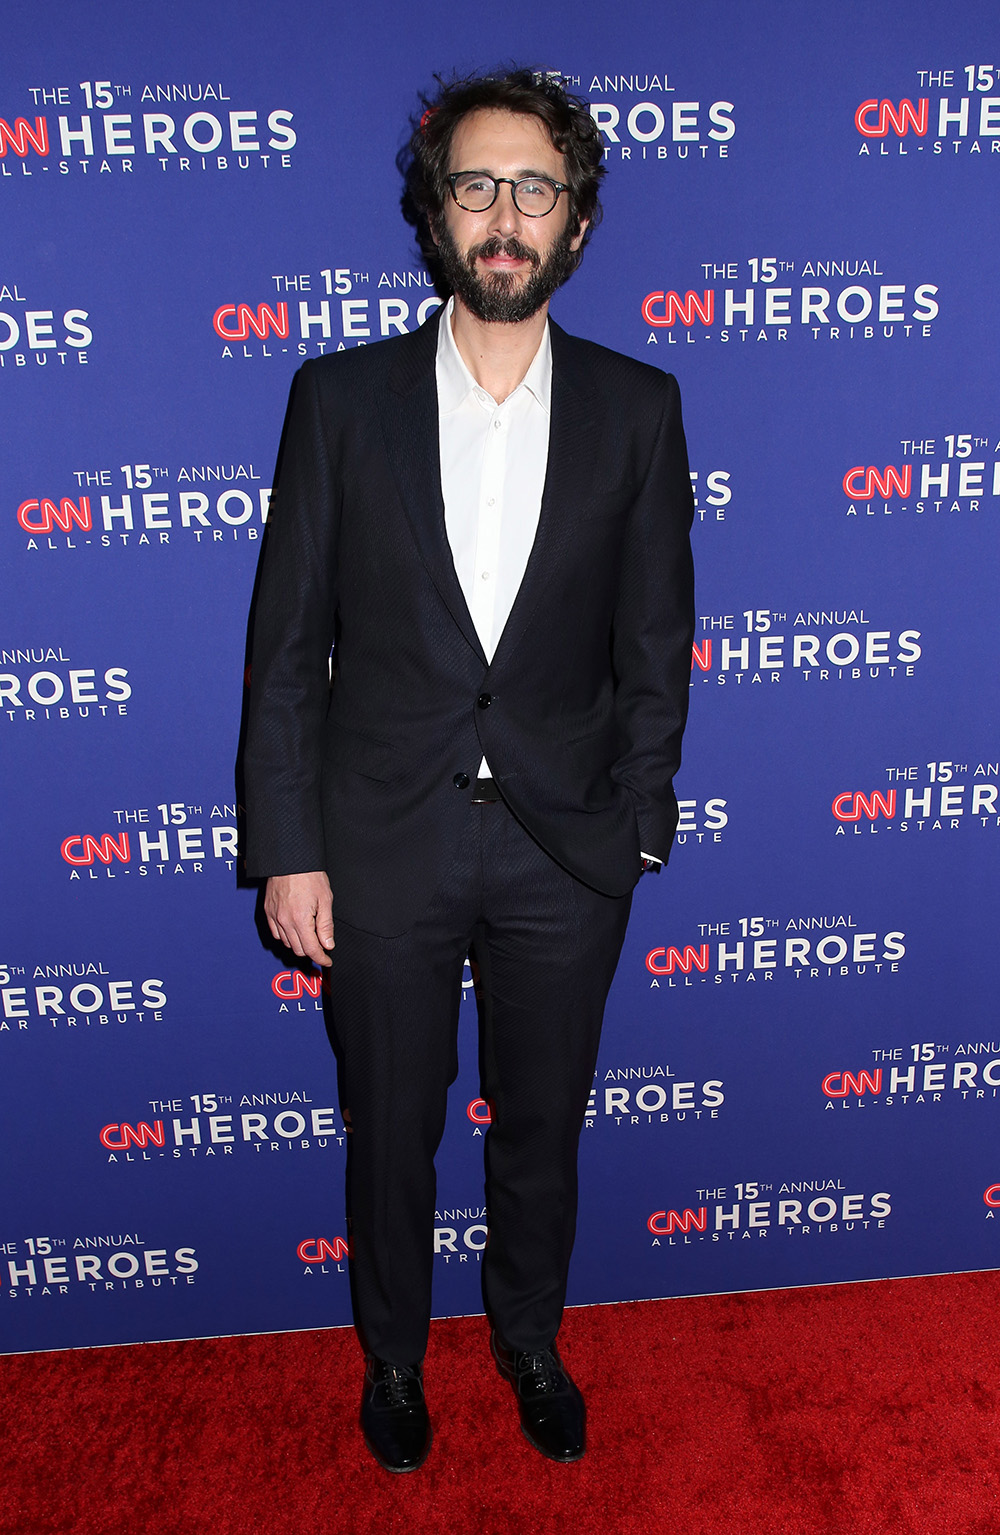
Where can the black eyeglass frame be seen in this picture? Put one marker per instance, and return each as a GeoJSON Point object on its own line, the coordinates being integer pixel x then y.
{"type": "Point", "coordinates": [513, 183]}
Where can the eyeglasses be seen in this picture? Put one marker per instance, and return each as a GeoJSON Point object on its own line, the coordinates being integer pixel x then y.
{"type": "Point", "coordinates": [533, 195]}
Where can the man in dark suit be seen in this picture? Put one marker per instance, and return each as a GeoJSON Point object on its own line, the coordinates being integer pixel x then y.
{"type": "Point", "coordinates": [486, 522]}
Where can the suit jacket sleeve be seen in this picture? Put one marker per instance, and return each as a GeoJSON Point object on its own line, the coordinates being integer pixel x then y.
{"type": "Point", "coordinates": [653, 632]}
{"type": "Point", "coordinates": [292, 640]}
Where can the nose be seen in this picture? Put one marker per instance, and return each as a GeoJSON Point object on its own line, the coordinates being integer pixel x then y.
{"type": "Point", "coordinates": [504, 217]}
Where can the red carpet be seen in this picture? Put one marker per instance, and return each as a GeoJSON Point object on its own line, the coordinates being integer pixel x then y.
{"type": "Point", "coordinates": [854, 1409]}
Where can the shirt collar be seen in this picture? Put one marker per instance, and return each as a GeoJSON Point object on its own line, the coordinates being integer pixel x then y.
{"type": "Point", "coordinates": [455, 383]}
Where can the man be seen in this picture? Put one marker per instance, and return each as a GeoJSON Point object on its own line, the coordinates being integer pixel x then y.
{"type": "Point", "coordinates": [487, 522]}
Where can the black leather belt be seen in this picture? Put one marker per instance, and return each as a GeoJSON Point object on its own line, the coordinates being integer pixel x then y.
{"type": "Point", "coordinates": [485, 792]}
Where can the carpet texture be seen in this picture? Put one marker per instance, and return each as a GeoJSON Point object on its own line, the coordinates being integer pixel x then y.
{"type": "Point", "coordinates": [855, 1409]}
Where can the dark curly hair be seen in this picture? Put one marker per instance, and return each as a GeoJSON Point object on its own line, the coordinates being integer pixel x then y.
{"type": "Point", "coordinates": [532, 93]}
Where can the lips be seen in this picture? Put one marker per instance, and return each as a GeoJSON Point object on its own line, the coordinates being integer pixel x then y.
{"type": "Point", "coordinates": [503, 255]}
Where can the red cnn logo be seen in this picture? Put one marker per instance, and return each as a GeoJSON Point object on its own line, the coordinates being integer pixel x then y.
{"type": "Point", "coordinates": [851, 807]}
{"type": "Point", "coordinates": [20, 136]}
{"type": "Point", "coordinates": [991, 1196]}
{"type": "Point", "coordinates": [701, 656]}
{"type": "Point", "coordinates": [839, 1084]}
{"type": "Point", "coordinates": [318, 1249]}
{"type": "Point", "coordinates": [479, 1112]}
{"type": "Point", "coordinates": [121, 1137]}
{"type": "Point", "coordinates": [81, 851]}
{"type": "Point", "coordinates": [890, 481]}
{"type": "Point", "coordinates": [262, 321]}
{"type": "Point", "coordinates": [902, 118]}
{"type": "Point", "coordinates": [674, 306]}
{"type": "Point", "coordinates": [292, 985]}
{"type": "Point", "coordinates": [666, 961]}
{"type": "Point", "coordinates": [52, 516]}
{"type": "Point", "coordinates": [687, 1221]}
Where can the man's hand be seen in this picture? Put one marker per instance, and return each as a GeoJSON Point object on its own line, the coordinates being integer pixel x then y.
{"type": "Point", "coordinates": [299, 911]}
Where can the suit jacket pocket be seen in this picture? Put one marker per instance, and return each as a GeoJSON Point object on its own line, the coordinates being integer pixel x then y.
{"type": "Point", "coordinates": [601, 504]}
{"type": "Point", "coordinates": [357, 753]}
{"type": "Point", "coordinates": [603, 742]}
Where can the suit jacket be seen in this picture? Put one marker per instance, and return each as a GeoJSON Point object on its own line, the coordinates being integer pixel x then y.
{"type": "Point", "coordinates": [581, 710]}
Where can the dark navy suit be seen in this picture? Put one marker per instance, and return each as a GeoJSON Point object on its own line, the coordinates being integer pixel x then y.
{"type": "Point", "coordinates": [579, 714]}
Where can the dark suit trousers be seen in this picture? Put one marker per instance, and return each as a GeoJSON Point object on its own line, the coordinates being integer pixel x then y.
{"type": "Point", "coordinates": [547, 948]}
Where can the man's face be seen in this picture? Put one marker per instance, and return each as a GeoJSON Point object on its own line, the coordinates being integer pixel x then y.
{"type": "Point", "coordinates": [503, 264]}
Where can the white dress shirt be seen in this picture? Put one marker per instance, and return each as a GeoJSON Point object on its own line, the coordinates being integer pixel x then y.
{"type": "Point", "coordinates": [493, 461]}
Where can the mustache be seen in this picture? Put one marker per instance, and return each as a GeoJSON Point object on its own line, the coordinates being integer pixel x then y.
{"type": "Point", "coordinates": [511, 247]}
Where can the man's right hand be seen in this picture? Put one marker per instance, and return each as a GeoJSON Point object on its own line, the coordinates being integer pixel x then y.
{"type": "Point", "coordinates": [299, 911]}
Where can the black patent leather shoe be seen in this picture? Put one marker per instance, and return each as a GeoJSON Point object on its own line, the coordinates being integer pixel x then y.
{"type": "Point", "coordinates": [553, 1414]}
{"type": "Point", "coordinates": [394, 1416]}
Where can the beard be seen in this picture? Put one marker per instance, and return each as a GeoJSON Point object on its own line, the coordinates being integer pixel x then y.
{"type": "Point", "coordinates": [505, 298]}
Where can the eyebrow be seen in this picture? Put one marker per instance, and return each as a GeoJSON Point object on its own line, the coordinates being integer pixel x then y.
{"type": "Point", "coordinates": [521, 175]}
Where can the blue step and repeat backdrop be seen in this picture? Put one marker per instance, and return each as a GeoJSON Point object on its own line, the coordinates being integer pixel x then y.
{"type": "Point", "coordinates": [799, 1077]}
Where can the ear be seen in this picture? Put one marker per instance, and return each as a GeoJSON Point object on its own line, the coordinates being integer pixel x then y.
{"type": "Point", "coordinates": [577, 239]}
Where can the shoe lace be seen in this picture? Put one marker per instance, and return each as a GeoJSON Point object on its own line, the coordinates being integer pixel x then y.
{"type": "Point", "coordinates": [544, 1370]}
{"type": "Point", "coordinates": [402, 1385]}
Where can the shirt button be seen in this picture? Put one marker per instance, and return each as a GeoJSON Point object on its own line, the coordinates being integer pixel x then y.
{"type": "Point", "coordinates": [484, 700]}
{"type": "Point", "coordinates": [497, 425]}
{"type": "Point", "coordinates": [485, 575]}
{"type": "Point", "coordinates": [461, 780]}
{"type": "Point", "coordinates": [492, 501]}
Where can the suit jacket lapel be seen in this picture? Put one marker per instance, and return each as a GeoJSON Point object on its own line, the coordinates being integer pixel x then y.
{"type": "Point", "coordinates": [410, 430]}
{"type": "Point", "coordinates": [568, 475]}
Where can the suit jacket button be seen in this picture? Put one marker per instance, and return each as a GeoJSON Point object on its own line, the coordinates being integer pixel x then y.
{"type": "Point", "coordinates": [461, 780]}
{"type": "Point", "coordinates": [484, 700]}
